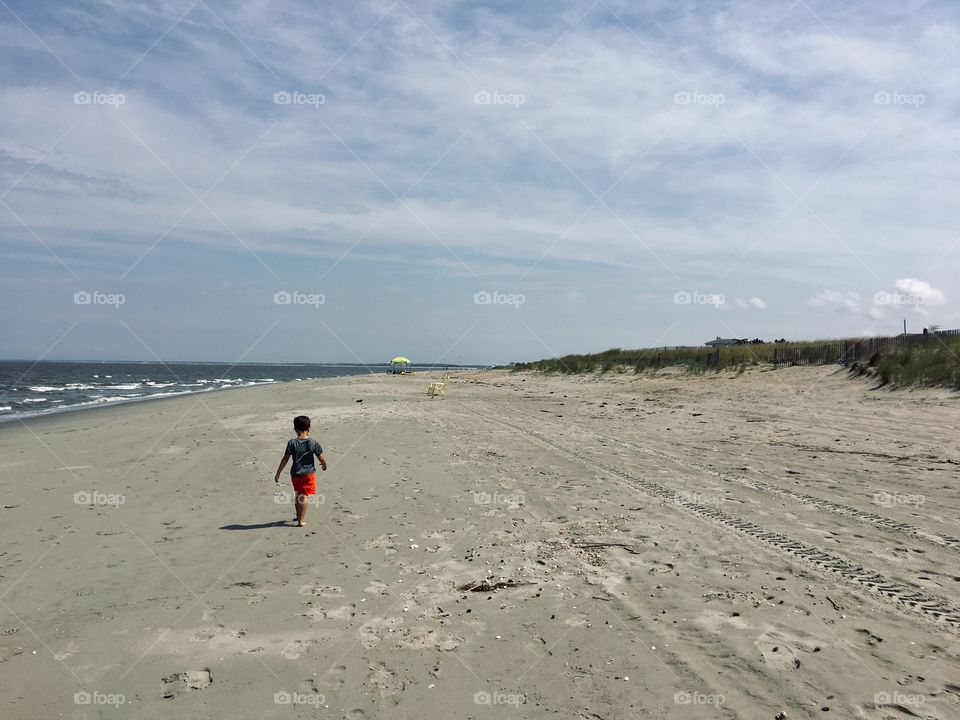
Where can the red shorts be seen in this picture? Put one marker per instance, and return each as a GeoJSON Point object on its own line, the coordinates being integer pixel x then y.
{"type": "Point", "coordinates": [305, 484]}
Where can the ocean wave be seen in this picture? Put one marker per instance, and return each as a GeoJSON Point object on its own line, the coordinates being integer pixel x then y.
{"type": "Point", "coordinates": [44, 388]}
{"type": "Point", "coordinates": [84, 395]}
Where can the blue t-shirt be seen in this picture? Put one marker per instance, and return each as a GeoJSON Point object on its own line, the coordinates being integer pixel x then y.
{"type": "Point", "coordinates": [302, 451]}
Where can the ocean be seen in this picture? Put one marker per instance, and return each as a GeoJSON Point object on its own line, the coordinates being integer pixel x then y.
{"type": "Point", "coordinates": [28, 389]}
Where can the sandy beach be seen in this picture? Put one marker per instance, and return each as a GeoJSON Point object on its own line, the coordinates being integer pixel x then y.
{"type": "Point", "coordinates": [670, 546]}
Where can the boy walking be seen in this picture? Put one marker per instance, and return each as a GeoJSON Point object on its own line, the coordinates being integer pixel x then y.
{"type": "Point", "coordinates": [303, 472]}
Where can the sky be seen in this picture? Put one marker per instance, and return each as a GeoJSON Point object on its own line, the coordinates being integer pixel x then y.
{"type": "Point", "coordinates": [471, 182]}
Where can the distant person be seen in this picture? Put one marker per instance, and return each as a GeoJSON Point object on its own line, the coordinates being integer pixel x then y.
{"type": "Point", "coordinates": [303, 472]}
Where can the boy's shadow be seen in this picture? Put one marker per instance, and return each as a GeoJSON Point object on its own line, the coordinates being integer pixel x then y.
{"type": "Point", "coordinates": [260, 526]}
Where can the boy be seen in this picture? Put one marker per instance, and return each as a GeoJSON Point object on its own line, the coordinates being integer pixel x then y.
{"type": "Point", "coordinates": [303, 472]}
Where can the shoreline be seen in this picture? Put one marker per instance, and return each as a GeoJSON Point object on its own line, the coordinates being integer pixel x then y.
{"type": "Point", "coordinates": [94, 405]}
{"type": "Point", "coordinates": [80, 410]}
{"type": "Point", "coordinates": [114, 400]}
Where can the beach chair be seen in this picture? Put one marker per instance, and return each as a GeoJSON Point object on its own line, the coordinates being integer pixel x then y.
{"type": "Point", "coordinates": [438, 389]}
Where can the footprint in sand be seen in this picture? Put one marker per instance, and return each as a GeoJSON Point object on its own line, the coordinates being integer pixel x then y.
{"type": "Point", "coordinates": [341, 613]}
{"type": "Point", "coordinates": [294, 650]}
{"type": "Point", "coordinates": [377, 588]}
{"type": "Point", "coordinates": [72, 649]}
{"type": "Point", "coordinates": [779, 651]}
{"type": "Point", "coordinates": [328, 591]}
{"type": "Point", "coordinates": [335, 675]}
{"type": "Point", "coordinates": [384, 541]}
{"type": "Point", "coordinates": [173, 685]}
{"type": "Point", "coordinates": [577, 620]}
{"type": "Point", "coordinates": [371, 632]}
{"type": "Point", "coordinates": [385, 680]}
{"type": "Point", "coordinates": [423, 638]}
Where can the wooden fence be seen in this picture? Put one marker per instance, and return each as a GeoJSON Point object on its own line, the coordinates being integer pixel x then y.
{"type": "Point", "coordinates": [847, 352]}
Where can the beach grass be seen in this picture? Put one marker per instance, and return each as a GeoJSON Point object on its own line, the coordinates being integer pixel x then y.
{"type": "Point", "coordinates": [935, 362]}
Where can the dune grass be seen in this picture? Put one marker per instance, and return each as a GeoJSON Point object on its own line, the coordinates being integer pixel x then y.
{"type": "Point", "coordinates": [936, 362]}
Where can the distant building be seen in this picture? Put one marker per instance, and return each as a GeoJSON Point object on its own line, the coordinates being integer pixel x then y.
{"type": "Point", "coordinates": [722, 342]}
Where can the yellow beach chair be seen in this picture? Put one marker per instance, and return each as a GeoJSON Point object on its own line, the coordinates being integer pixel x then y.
{"type": "Point", "coordinates": [438, 388]}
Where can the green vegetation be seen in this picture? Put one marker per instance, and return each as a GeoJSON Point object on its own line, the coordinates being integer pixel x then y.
{"type": "Point", "coordinates": [935, 363]}
{"type": "Point", "coordinates": [928, 360]}
{"type": "Point", "coordinates": [695, 359]}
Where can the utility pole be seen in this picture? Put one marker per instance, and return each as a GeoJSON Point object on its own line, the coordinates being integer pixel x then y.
{"type": "Point", "coordinates": [904, 326]}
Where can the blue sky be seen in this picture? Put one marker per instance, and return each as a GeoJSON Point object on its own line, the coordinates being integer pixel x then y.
{"type": "Point", "coordinates": [471, 181]}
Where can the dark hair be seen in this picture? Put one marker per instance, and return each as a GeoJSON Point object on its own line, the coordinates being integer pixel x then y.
{"type": "Point", "coordinates": [301, 423]}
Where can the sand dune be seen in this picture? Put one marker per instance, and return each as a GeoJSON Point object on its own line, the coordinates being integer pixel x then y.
{"type": "Point", "coordinates": [731, 546]}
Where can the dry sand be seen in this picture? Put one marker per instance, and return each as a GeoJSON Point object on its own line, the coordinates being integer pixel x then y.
{"type": "Point", "coordinates": [731, 546]}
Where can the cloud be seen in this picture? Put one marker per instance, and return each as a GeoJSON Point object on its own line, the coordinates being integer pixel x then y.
{"type": "Point", "coordinates": [839, 301]}
{"type": "Point", "coordinates": [921, 290]}
{"type": "Point", "coordinates": [798, 181]}
{"type": "Point", "coordinates": [910, 294]}
{"type": "Point", "coordinates": [753, 303]}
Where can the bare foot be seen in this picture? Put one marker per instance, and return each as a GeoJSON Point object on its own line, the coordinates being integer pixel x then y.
{"type": "Point", "coordinates": [301, 524]}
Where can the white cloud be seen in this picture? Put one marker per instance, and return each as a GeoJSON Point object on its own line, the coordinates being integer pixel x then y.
{"type": "Point", "coordinates": [798, 181]}
{"type": "Point", "coordinates": [840, 301]}
{"type": "Point", "coordinates": [753, 303]}
{"type": "Point", "coordinates": [921, 290]}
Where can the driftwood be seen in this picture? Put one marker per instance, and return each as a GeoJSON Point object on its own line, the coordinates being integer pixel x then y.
{"type": "Point", "coordinates": [487, 586]}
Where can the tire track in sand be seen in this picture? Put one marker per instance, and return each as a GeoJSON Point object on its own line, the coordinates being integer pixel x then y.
{"type": "Point", "coordinates": [900, 593]}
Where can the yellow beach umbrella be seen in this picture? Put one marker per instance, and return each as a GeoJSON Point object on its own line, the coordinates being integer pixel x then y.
{"type": "Point", "coordinates": [400, 360]}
